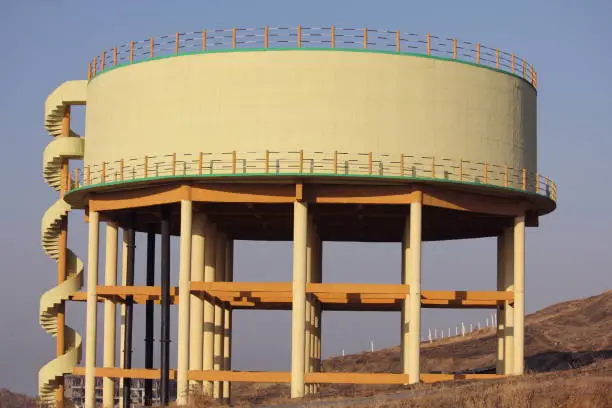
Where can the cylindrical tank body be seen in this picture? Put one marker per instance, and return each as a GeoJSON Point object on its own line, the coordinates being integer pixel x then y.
{"type": "Point", "coordinates": [314, 100]}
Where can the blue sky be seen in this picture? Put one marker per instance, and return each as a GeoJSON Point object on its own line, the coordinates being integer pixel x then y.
{"type": "Point", "coordinates": [45, 43]}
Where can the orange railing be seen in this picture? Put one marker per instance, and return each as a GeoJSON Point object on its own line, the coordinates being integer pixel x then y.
{"type": "Point", "coordinates": [312, 37]}
{"type": "Point", "coordinates": [270, 163]}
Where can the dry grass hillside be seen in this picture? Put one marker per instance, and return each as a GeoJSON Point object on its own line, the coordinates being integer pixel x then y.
{"type": "Point", "coordinates": [568, 349]}
{"type": "Point", "coordinates": [561, 337]}
{"type": "Point", "coordinates": [13, 400]}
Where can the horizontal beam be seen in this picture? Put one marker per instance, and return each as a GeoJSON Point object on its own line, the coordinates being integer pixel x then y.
{"type": "Point", "coordinates": [282, 376]}
{"type": "Point", "coordinates": [144, 373]}
{"type": "Point", "coordinates": [279, 295]}
{"type": "Point", "coordinates": [240, 376]}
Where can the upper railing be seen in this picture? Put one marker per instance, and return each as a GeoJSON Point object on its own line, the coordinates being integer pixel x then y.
{"type": "Point", "coordinates": [308, 164]}
{"type": "Point", "coordinates": [313, 37]}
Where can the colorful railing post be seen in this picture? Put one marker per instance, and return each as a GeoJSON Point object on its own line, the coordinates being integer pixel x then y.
{"type": "Point", "coordinates": [151, 47]}
{"type": "Point", "coordinates": [524, 177]}
{"type": "Point", "coordinates": [497, 58]}
{"type": "Point", "coordinates": [145, 166]}
{"type": "Point", "coordinates": [401, 164]}
{"type": "Point", "coordinates": [370, 163]}
{"type": "Point", "coordinates": [233, 162]}
{"type": "Point", "coordinates": [428, 39]}
{"type": "Point", "coordinates": [460, 169]}
{"type": "Point", "coordinates": [174, 164]}
{"type": "Point", "coordinates": [478, 53]}
{"type": "Point", "coordinates": [433, 167]}
{"type": "Point", "coordinates": [203, 40]}
{"type": "Point", "coordinates": [234, 37]}
{"type": "Point", "coordinates": [176, 45]}
{"type": "Point", "coordinates": [335, 162]}
{"type": "Point", "coordinates": [88, 175]}
{"type": "Point", "coordinates": [513, 63]}
{"type": "Point", "coordinates": [115, 56]}
{"type": "Point", "coordinates": [301, 159]}
{"type": "Point", "coordinates": [506, 176]}
{"type": "Point", "coordinates": [200, 162]}
{"type": "Point", "coordinates": [103, 172]}
{"type": "Point", "coordinates": [121, 169]}
{"type": "Point", "coordinates": [266, 36]}
{"type": "Point", "coordinates": [454, 48]}
{"type": "Point", "coordinates": [131, 52]}
{"type": "Point", "coordinates": [332, 35]}
{"type": "Point", "coordinates": [103, 62]}
{"type": "Point", "coordinates": [398, 46]}
{"type": "Point", "coordinates": [299, 36]}
{"type": "Point", "coordinates": [365, 37]}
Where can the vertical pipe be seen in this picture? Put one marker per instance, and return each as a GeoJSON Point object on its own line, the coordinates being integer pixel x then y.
{"type": "Point", "coordinates": [405, 314]}
{"type": "Point", "coordinates": [308, 311]}
{"type": "Point", "coordinates": [129, 315]}
{"type": "Point", "coordinates": [499, 366]}
{"type": "Point", "coordinates": [414, 271]}
{"type": "Point", "coordinates": [519, 294]}
{"type": "Point", "coordinates": [508, 266]}
{"type": "Point", "coordinates": [227, 319]}
{"type": "Point", "coordinates": [209, 308]}
{"type": "Point", "coordinates": [124, 263]}
{"type": "Point", "coordinates": [62, 261]}
{"type": "Point", "coordinates": [149, 316]}
{"type": "Point", "coordinates": [298, 318]}
{"type": "Point", "coordinates": [196, 308]}
{"type": "Point", "coordinates": [110, 312]}
{"type": "Point", "coordinates": [92, 305]}
{"type": "Point", "coordinates": [219, 314]}
{"type": "Point", "coordinates": [165, 307]}
{"type": "Point", "coordinates": [182, 387]}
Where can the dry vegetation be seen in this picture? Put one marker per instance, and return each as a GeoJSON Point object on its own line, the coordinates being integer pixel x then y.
{"type": "Point", "coordinates": [568, 350]}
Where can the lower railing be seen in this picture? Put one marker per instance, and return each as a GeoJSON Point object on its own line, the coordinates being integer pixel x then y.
{"type": "Point", "coordinates": [302, 163]}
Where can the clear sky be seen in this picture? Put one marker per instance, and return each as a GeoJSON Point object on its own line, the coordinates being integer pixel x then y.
{"type": "Point", "coordinates": [47, 42]}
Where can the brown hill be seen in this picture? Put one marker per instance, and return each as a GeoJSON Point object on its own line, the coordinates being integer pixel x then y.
{"type": "Point", "coordinates": [563, 336]}
{"type": "Point", "coordinates": [10, 399]}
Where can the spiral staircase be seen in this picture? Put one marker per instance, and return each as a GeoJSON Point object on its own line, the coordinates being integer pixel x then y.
{"type": "Point", "coordinates": [60, 149]}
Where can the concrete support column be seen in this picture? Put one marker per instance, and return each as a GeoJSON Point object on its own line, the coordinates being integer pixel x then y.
{"type": "Point", "coordinates": [414, 280]}
{"type": "Point", "coordinates": [519, 294]}
{"type": "Point", "coordinates": [508, 313]}
{"type": "Point", "coordinates": [209, 307]}
{"type": "Point", "coordinates": [110, 314]}
{"type": "Point", "coordinates": [227, 320]}
{"type": "Point", "coordinates": [219, 314]}
{"type": "Point", "coordinates": [92, 306]}
{"type": "Point", "coordinates": [182, 366]}
{"type": "Point", "coordinates": [298, 312]}
{"type": "Point", "coordinates": [196, 308]}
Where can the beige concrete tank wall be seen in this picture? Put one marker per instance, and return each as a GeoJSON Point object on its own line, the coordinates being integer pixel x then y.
{"type": "Point", "coordinates": [288, 100]}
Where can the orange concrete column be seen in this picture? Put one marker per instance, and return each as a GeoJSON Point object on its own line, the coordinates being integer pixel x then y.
{"type": "Point", "coordinates": [219, 314]}
{"type": "Point", "coordinates": [182, 366]}
{"type": "Point", "coordinates": [92, 308]}
{"type": "Point", "coordinates": [508, 315]}
{"type": "Point", "coordinates": [209, 307]}
{"type": "Point", "coordinates": [196, 307]}
{"type": "Point", "coordinates": [110, 314]}
{"type": "Point", "coordinates": [413, 277]}
{"type": "Point", "coordinates": [298, 311]}
{"type": "Point", "coordinates": [227, 320]}
{"type": "Point", "coordinates": [519, 295]}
